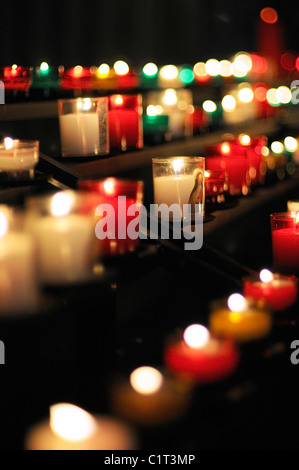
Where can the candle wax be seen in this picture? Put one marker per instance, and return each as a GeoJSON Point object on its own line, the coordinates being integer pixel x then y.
{"type": "Point", "coordinates": [80, 134]}
{"type": "Point", "coordinates": [279, 294]}
{"type": "Point", "coordinates": [285, 244]}
{"type": "Point", "coordinates": [173, 189]}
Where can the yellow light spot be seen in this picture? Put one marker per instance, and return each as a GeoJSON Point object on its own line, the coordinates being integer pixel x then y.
{"type": "Point", "coordinates": [78, 70]}
{"type": "Point", "coordinates": [150, 69]}
{"type": "Point", "coordinates": [199, 69]}
{"type": "Point", "coordinates": [44, 66]}
{"type": "Point", "coordinates": [177, 165]}
{"type": "Point", "coordinates": [170, 97]}
{"type": "Point", "coordinates": [209, 106]}
{"type": "Point", "coordinates": [265, 151]}
{"type": "Point", "coordinates": [169, 72]}
{"type": "Point", "coordinates": [245, 95]}
{"type": "Point", "coordinates": [271, 96]}
{"type": "Point", "coordinates": [283, 94]}
{"type": "Point", "coordinates": [196, 336]}
{"type": "Point", "coordinates": [291, 144]}
{"type": "Point", "coordinates": [228, 103]}
{"type": "Point", "coordinates": [103, 70]}
{"type": "Point", "coordinates": [225, 148]}
{"type": "Point", "coordinates": [118, 100]}
{"type": "Point", "coordinates": [121, 67]}
{"type": "Point", "coordinates": [212, 67]}
{"type": "Point", "coordinates": [146, 380]}
{"type": "Point", "coordinates": [277, 147]}
{"type": "Point", "coordinates": [71, 422]}
{"type": "Point", "coordinates": [8, 143]}
{"type": "Point", "coordinates": [225, 68]}
{"type": "Point", "coordinates": [244, 139]}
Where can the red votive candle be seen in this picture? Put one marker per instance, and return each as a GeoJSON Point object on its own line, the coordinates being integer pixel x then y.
{"type": "Point", "coordinates": [77, 77]}
{"type": "Point", "coordinates": [278, 291]}
{"type": "Point", "coordinates": [125, 122]}
{"type": "Point", "coordinates": [231, 158]}
{"type": "Point", "coordinates": [285, 241]}
{"type": "Point", "coordinates": [257, 166]}
{"type": "Point", "coordinates": [116, 196]}
{"type": "Point", "coordinates": [200, 357]}
{"type": "Point", "coordinates": [16, 77]}
{"type": "Point", "coordinates": [216, 186]}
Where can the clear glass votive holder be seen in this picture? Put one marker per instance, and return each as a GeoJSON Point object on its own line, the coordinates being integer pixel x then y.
{"type": "Point", "coordinates": [18, 155]}
{"type": "Point", "coordinates": [180, 181]}
{"type": "Point", "coordinates": [83, 125]}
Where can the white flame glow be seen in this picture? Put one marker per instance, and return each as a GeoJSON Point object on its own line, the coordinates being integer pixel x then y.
{"type": "Point", "coordinates": [196, 336]}
{"type": "Point", "coordinates": [236, 302]}
{"type": "Point", "coordinates": [146, 380]}
{"type": "Point", "coordinates": [61, 204]}
{"type": "Point", "coordinates": [266, 276]}
{"type": "Point", "coordinates": [71, 422]}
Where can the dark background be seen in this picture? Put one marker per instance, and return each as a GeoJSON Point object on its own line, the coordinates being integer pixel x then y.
{"type": "Point", "coordinates": [88, 32]}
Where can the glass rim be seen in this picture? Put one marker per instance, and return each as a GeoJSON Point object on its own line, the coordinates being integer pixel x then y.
{"type": "Point", "coordinates": [17, 143]}
{"type": "Point", "coordinates": [185, 158]}
{"type": "Point", "coordinates": [283, 215]}
{"type": "Point", "coordinates": [82, 98]}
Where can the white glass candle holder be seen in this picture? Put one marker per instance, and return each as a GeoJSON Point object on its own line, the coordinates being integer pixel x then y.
{"type": "Point", "coordinates": [83, 127]}
{"type": "Point", "coordinates": [18, 155]}
{"type": "Point", "coordinates": [180, 181]}
{"type": "Point", "coordinates": [64, 238]}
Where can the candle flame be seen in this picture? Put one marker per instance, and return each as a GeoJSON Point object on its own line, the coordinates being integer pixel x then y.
{"type": "Point", "coordinates": [297, 217]}
{"type": "Point", "coordinates": [61, 204]}
{"type": "Point", "coordinates": [3, 224]}
{"type": "Point", "coordinates": [207, 174]}
{"type": "Point", "coordinates": [236, 302]}
{"type": "Point", "coordinates": [109, 186]}
{"type": "Point", "coordinates": [244, 139]}
{"type": "Point", "coordinates": [196, 336]}
{"type": "Point", "coordinates": [8, 143]}
{"type": "Point", "coordinates": [266, 276]}
{"type": "Point", "coordinates": [71, 422]}
{"type": "Point", "coordinates": [177, 165]}
{"type": "Point", "coordinates": [146, 380]}
{"type": "Point", "coordinates": [170, 97]}
{"type": "Point", "coordinates": [118, 100]}
{"type": "Point", "coordinates": [225, 148]}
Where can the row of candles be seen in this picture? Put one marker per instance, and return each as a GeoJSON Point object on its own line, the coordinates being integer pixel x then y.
{"type": "Point", "coordinates": [121, 75]}
{"type": "Point", "coordinates": [56, 235]}
{"type": "Point", "coordinates": [150, 396]}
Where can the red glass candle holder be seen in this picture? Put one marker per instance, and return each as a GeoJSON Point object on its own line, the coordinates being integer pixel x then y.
{"type": "Point", "coordinates": [125, 122]}
{"type": "Point", "coordinates": [285, 242]}
{"type": "Point", "coordinates": [231, 158]}
{"type": "Point", "coordinates": [257, 166]}
{"type": "Point", "coordinates": [77, 77]}
{"type": "Point", "coordinates": [279, 293]}
{"type": "Point", "coordinates": [210, 362]}
{"type": "Point", "coordinates": [216, 187]}
{"type": "Point", "coordinates": [16, 77]}
{"type": "Point", "coordinates": [116, 196]}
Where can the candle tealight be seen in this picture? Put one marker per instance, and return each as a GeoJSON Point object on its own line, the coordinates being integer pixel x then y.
{"type": "Point", "coordinates": [72, 428]}
{"type": "Point", "coordinates": [17, 155]}
{"type": "Point", "coordinates": [285, 241]}
{"type": "Point", "coordinates": [278, 291]}
{"type": "Point", "coordinates": [125, 122]}
{"type": "Point", "coordinates": [149, 397]}
{"type": "Point", "coordinates": [201, 357]}
{"type": "Point", "coordinates": [240, 320]}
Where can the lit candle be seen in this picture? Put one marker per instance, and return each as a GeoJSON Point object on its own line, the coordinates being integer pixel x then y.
{"type": "Point", "coordinates": [279, 292]}
{"type": "Point", "coordinates": [285, 241]}
{"type": "Point", "coordinates": [200, 356]}
{"type": "Point", "coordinates": [64, 242]}
{"type": "Point", "coordinates": [149, 397]}
{"type": "Point", "coordinates": [293, 206]}
{"type": "Point", "coordinates": [179, 180]}
{"type": "Point", "coordinates": [125, 122]}
{"type": "Point", "coordinates": [72, 428]}
{"type": "Point", "coordinates": [216, 187]}
{"type": "Point", "coordinates": [231, 158]}
{"type": "Point", "coordinates": [118, 196]}
{"type": "Point", "coordinates": [239, 320]}
{"type": "Point", "coordinates": [17, 155]}
{"type": "Point", "coordinates": [18, 279]}
{"type": "Point", "coordinates": [83, 127]}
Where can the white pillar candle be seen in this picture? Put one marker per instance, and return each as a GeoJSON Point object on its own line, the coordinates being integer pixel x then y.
{"type": "Point", "coordinates": [16, 155]}
{"type": "Point", "coordinates": [174, 189]}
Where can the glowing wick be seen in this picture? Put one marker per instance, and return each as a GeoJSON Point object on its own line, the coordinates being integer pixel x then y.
{"type": "Point", "coordinates": [196, 336]}
{"type": "Point", "coordinates": [236, 302]}
{"type": "Point", "coordinates": [71, 422]}
{"type": "Point", "coordinates": [61, 204]}
{"type": "Point", "coordinates": [146, 380]}
{"type": "Point", "coordinates": [177, 165]}
{"type": "Point", "coordinates": [109, 186]}
{"type": "Point", "coordinates": [266, 276]}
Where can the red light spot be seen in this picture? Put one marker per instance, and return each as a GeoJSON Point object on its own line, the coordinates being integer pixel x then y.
{"type": "Point", "coordinates": [260, 93]}
{"type": "Point", "coordinates": [288, 61]}
{"type": "Point", "coordinates": [269, 15]}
